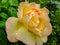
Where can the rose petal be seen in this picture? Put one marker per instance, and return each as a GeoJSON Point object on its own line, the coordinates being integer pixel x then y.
{"type": "Point", "coordinates": [39, 41]}
{"type": "Point", "coordinates": [11, 28]}
{"type": "Point", "coordinates": [44, 10]}
{"type": "Point", "coordinates": [35, 5]}
{"type": "Point", "coordinates": [44, 14]}
{"type": "Point", "coordinates": [34, 21]}
{"type": "Point", "coordinates": [48, 29]}
{"type": "Point", "coordinates": [25, 36]}
{"type": "Point", "coordinates": [44, 39]}
{"type": "Point", "coordinates": [11, 38]}
{"type": "Point", "coordinates": [20, 9]}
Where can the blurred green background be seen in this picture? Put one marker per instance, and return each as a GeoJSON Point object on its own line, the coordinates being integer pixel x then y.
{"type": "Point", "coordinates": [8, 8]}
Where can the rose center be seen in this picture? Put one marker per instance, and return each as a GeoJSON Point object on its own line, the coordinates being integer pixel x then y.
{"type": "Point", "coordinates": [33, 17]}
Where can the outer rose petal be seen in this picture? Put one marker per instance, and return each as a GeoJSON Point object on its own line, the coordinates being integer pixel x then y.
{"type": "Point", "coordinates": [25, 36]}
{"type": "Point", "coordinates": [11, 28]}
{"type": "Point", "coordinates": [11, 38]}
{"type": "Point", "coordinates": [35, 5]}
{"type": "Point", "coordinates": [39, 41]}
{"type": "Point", "coordinates": [44, 39]}
{"type": "Point", "coordinates": [46, 32]}
{"type": "Point", "coordinates": [48, 29]}
{"type": "Point", "coordinates": [20, 9]}
{"type": "Point", "coordinates": [44, 10]}
{"type": "Point", "coordinates": [44, 14]}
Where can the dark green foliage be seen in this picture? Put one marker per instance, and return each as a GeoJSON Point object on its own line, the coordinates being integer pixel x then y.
{"type": "Point", "coordinates": [12, 11]}
{"type": "Point", "coordinates": [2, 24]}
{"type": "Point", "coordinates": [4, 4]}
{"type": "Point", "coordinates": [13, 3]}
{"type": "Point", "coordinates": [8, 8]}
{"type": "Point", "coordinates": [3, 39]}
{"type": "Point", "coordinates": [3, 16]}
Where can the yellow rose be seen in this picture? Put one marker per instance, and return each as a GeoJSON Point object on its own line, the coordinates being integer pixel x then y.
{"type": "Point", "coordinates": [32, 25]}
{"type": "Point", "coordinates": [37, 18]}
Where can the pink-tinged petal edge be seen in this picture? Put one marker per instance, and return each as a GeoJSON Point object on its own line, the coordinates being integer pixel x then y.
{"type": "Point", "coordinates": [11, 28]}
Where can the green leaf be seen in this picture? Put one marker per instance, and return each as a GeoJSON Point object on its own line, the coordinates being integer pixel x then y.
{"type": "Point", "coordinates": [57, 4]}
{"type": "Point", "coordinates": [4, 5]}
{"type": "Point", "coordinates": [13, 3]}
{"type": "Point", "coordinates": [4, 16]}
{"type": "Point", "coordinates": [12, 11]}
{"type": "Point", "coordinates": [4, 1]}
{"type": "Point", "coordinates": [34, 1]}
{"type": "Point", "coordinates": [2, 24]}
{"type": "Point", "coordinates": [3, 39]}
{"type": "Point", "coordinates": [57, 16]}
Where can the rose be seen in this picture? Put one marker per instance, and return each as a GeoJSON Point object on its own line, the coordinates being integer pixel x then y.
{"type": "Point", "coordinates": [37, 18]}
{"type": "Point", "coordinates": [32, 25]}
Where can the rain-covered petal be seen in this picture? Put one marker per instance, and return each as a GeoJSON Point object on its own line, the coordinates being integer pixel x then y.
{"type": "Point", "coordinates": [26, 37]}
{"type": "Point", "coordinates": [11, 24]}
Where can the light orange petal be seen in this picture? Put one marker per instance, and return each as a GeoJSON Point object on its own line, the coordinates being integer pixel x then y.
{"type": "Point", "coordinates": [44, 14]}
{"type": "Point", "coordinates": [48, 29]}
{"type": "Point", "coordinates": [33, 4]}
{"type": "Point", "coordinates": [44, 11]}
